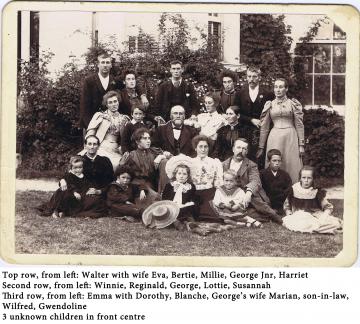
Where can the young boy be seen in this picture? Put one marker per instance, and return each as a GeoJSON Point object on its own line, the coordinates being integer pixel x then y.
{"type": "Point", "coordinates": [275, 181]}
{"type": "Point", "coordinates": [138, 115]}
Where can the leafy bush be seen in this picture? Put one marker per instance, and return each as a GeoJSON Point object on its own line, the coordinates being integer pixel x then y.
{"type": "Point", "coordinates": [324, 142]}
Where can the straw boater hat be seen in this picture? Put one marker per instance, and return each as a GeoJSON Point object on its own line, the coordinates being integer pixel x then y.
{"type": "Point", "coordinates": [160, 214]}
{"type": "Point", "coordinates": [175, 161]}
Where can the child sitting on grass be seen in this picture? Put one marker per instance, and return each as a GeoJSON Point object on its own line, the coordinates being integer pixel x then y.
{"type": "Point", "coordinates": [228, 203]}
{"type": "Point", "coordinates": [182, 191]}
{"type": "Point", "coordinates": [307, 209]}
{"type": "Point", "coordinates": [275, 181]}
{"type": "Point", "coordinates": [70, 201]}
{"type": "Point", "coordinates": [122, 193]}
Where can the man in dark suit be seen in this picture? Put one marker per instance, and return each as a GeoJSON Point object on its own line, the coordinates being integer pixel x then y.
{"type": "Point", "coordinates": [95, 86]}
{"type": "Point", "coordinates": [251, 100]}
{"type": "Point", "coordinates": [174, 92]}
{"type": "Point", "coordinates": [229, 96]}
{"type": "Point", "coordinates": [248, 179]}
{"type": "Point", "coordinates": [174, 137]}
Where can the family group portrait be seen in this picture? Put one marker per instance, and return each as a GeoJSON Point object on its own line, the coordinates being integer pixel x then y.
{"type": "Point", "coordinates": [180, 133]}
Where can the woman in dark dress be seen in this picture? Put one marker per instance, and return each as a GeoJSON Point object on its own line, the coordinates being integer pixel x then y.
{"type": "Point", "coordinates": [227, 135]}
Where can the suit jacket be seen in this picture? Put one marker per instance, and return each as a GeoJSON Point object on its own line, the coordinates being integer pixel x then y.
{"type": "Point", "coordinates": [164, 139]}
{"type": "Point", "coordinates": [249, 109]}
{"type": "Point", "coordinates": [224, 142]}
{"type": "Point", "coordinates": [248, 178]}
{"type": "Point", "coordinates": [276, 187]}
{"type": "Point", "coordinates": [164, 100]}
{"type": "Point", "coordinates": [92, 93]}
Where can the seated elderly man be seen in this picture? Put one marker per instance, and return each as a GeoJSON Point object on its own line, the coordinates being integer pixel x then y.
{"type": "Point", "coordinates": [174, 137]}
{"type": "Point", "coordinates": [248, 178]}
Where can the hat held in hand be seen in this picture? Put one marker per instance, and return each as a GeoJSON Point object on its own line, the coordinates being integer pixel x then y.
{"type": "Point", "coordinates": [160, 214]}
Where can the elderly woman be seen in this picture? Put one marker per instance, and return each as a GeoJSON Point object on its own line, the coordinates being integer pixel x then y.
{"type": "Point", "coordinates": [210, 121]}
{"type": "Point", "coordinates": [206, 174]}
{"type": "Point", "coordinates": [227, 135]}
{"type": "Point", "coordinates": [287, 134]}
{"type": "Point", "coordinates": [107, 126]}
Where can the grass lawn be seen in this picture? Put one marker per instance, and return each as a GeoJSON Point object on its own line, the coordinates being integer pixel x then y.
{"type": "Point", "coordinates": [112, 236]}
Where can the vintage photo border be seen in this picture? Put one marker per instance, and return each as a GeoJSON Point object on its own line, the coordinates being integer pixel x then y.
{"type": "Point", "coordinates": [345, 16]}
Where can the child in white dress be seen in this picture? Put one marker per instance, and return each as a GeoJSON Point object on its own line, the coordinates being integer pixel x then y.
{"type": "Point", "coordinates": [307, 209]}
{"type": "Point", "coordinates": [228, 202]}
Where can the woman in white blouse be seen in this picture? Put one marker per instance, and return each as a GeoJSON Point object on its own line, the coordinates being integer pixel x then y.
{"type": "Point", "coordinates": [207, 175]}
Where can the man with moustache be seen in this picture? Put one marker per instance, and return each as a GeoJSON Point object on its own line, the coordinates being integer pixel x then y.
{"type": "Point", "coordinates": [96, 85]}
{"type": "Point", "coordinates": [251, 100]}
{"type": "Point", "coordinates": [248, 178]}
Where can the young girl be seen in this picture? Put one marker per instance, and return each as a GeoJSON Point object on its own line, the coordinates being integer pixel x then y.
{"type": "Point", "coordinates": [307, 209]}
{"type": "Point", "coordinates": [122, 193]}
{"type": "Point", "coordinates": [228, 203]}
{"type": "Point", "coordinates": [70, 201]}
{"type": "Point", "coordinates": [182, 191]}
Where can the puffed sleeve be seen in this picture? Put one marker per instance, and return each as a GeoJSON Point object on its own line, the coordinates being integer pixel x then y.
{"type": "Point", "coordinates": [94, 124]}
{"type": "Point", "coordinates": [265, 121]}
{"type": "Point", "coordinates": [298, 120]}
{"type": "Point", "coordinates": [218, 181]}
{"type": "Point", "coordinates": [217, 198]}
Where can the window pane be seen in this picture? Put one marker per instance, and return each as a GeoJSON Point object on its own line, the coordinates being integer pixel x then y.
{"type": "Point", "coordinates": [338, 90]}
{"type": "Point", "coordinates": [322, 58]}
{"type": "Point", "coordinates": [339, 58]}
{"type": "Point", "coordinates": [307, 92]}
{"type": "Point", "coordinates": [322, 90]}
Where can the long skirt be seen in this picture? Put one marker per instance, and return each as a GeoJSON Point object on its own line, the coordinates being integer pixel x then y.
{"type": "Point", "coordinates": [287, 142]}
{"type": "Point", "coordinates": [206, 212]}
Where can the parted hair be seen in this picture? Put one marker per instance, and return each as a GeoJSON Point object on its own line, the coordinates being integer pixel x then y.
{"type": "Point", "coordinates": [198, 138]}
{"type": "Point", "coordinates": [229, 74]}
{"type": "Point", "coordinates": [253, 68]}
{"type": "Point", "coordinates": [235, 109]}
{"type": "Point", "coordinates": [110, 94]}
{"type": "Point", "coordinates": [283, 80]}
{"type": "Point", "coordinates": [127, 72]}
{"type": "Point", "coordinates": [308, 168]}
{"type": "Point", "coordinates": [214, 96]}
{"type": "Point", "coordinates": [92, 136]}
{"type": "Point", "coordinates": [181, 166]}
{"type": "Point", "coordinates": [136, 136]}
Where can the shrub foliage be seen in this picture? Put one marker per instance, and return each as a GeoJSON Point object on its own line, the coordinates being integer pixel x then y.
{"type": "Point", "coordinates": [48, 110]}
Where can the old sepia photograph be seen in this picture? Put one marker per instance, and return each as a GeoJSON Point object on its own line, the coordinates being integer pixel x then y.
{"type": "Point", "coordinates": [211, 133]}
